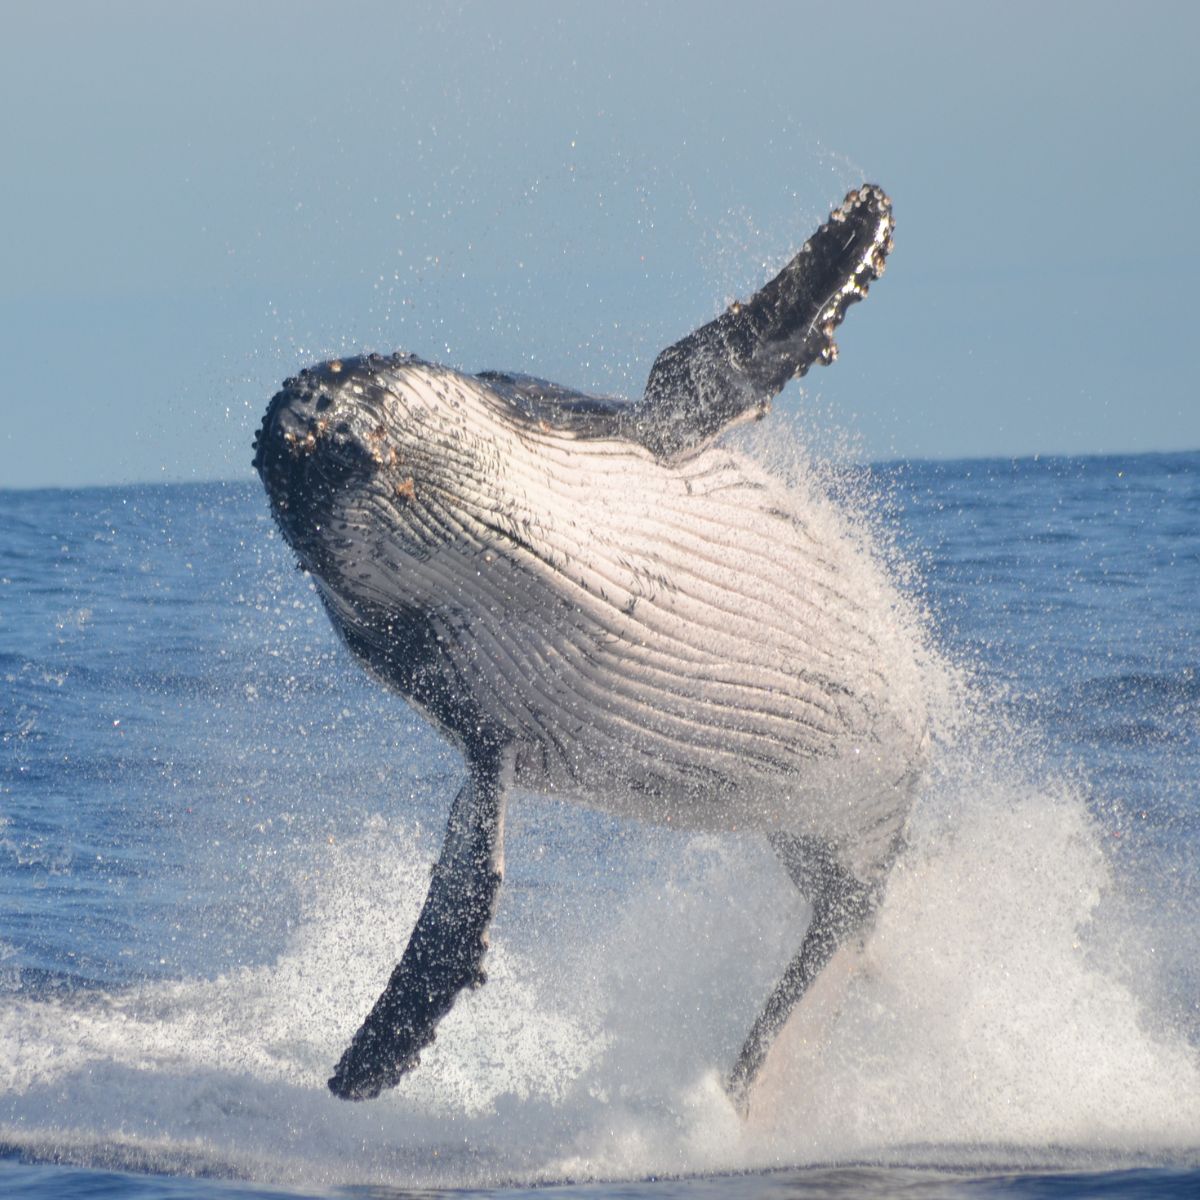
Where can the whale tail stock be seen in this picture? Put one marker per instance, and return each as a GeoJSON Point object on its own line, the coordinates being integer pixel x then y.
{"type": "Point", "coordinates": [446, 948]}
{"type": "Point", "coordinates": [733, 366]}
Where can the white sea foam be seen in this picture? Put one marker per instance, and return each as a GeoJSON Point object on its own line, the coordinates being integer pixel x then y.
{"type": "Point", "coordinates": [976, 1017]}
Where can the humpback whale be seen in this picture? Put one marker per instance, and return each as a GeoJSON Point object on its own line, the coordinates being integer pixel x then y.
{"type": "Point", "coordinates": [602, 600]}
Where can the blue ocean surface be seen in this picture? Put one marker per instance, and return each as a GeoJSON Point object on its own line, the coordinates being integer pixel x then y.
{"type": "Point", "coordinates": [216, 831]}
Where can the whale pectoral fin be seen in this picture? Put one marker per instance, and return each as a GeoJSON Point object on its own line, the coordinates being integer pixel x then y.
{"type": "Point", "coordinates": [446, 946]}
{"type": "Point", "coordinates": [841, 907]}
{"type": "Point", "coordinates": [732, 366]}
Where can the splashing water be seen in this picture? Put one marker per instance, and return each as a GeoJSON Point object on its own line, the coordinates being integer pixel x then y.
{"type": "Point", "coordinates": [972, 1020]}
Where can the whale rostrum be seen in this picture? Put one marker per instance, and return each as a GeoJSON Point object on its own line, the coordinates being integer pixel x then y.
{"type": "Point", "coordinates": [603, 601]}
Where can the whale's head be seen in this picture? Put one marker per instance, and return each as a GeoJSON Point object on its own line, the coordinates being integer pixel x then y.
{"type": "Point", "coordinates": [377, 469]}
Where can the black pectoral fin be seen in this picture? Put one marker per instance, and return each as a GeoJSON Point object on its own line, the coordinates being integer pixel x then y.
{"type": "Point", "coordinates": [444, 952]}
{"type": "Point", "coordinates": [732, 366]}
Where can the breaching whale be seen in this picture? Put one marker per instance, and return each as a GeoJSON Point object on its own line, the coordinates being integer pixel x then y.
{"type": "Point", "coordinates": [596, 599]}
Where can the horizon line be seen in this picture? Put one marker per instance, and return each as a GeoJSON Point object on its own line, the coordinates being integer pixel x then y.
{"type": "Point", "coordinates": [1036, 456]}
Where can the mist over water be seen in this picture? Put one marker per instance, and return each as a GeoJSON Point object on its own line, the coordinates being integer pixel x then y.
{"type": "Point", "coordinates": [216, 836]}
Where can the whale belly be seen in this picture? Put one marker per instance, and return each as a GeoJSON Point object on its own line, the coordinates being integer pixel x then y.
{"type": "Point", "coordinates": [697, 645]}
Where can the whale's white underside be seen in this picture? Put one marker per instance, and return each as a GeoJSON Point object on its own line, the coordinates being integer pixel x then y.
{"type": "Point", "coordinates": [692, 642]}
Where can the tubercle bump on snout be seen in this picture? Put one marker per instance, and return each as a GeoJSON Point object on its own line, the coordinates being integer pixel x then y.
{"type": "Point", "coordinates": [324, 403]}
{"type": "Point", "coordinates": [331, 443]}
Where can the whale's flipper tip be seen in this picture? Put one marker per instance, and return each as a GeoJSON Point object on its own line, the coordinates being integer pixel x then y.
{"type": "Point", "coordinates": [361, 1076]}
{"type": "Point", "coordinates": [445, 951]}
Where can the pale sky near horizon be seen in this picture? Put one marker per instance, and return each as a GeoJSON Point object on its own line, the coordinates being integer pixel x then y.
{"type": "Point", "coordinates": [201, 197]}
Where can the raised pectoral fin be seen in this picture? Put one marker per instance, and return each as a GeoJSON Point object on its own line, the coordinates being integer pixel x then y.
{"type": "Point", "coordinates": [732, 366]}
{"type": "Point", "coordinates": [446, 947]}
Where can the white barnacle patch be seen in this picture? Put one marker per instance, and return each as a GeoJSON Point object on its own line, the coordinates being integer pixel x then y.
{"type": "Point", "coordinates": [298, 444]}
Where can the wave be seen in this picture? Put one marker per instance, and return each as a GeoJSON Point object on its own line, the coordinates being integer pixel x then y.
{"type": "Point", "coordinates": [985, 1011]}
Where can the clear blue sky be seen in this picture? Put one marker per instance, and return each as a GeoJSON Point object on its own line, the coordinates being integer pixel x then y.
{"type": "Point", "coordinates": [198, 198]}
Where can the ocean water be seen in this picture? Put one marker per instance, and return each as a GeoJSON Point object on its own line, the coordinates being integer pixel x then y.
{"type": "Point", "coordinates": [215, 834]}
